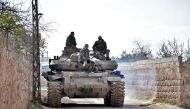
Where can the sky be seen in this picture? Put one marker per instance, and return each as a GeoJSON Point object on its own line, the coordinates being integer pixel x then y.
{"type": "Point", "coordinates": [119, 22]}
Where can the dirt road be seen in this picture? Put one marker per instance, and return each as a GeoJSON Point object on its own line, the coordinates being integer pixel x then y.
{"type": "Point", "coordinates": [98, 104]}
{"type": "Point", "coordinates": [126, 106]}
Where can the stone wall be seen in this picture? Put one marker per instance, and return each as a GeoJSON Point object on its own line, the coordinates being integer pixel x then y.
{"type": "Point", "coordinates": [185, 95]}
{"type": "Point", "coordinates": [168, 79]}
{"type": "Point", "coordinates": [165, 79]}
{"type": "Point", "coordinates": [15, 76]}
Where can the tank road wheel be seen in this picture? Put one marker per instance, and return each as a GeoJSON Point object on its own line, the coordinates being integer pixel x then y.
{"type": "Point", "coordinates": [54, 94]}
{"type": "Point", "coordinates": [117, 94]}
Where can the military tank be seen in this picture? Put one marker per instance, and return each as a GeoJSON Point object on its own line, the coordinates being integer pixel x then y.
{"type": "Point", "coordinates": [70, 78]}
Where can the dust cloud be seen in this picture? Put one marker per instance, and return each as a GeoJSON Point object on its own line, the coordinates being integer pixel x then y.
{"type": "Point", "coordinates": [139, 84]}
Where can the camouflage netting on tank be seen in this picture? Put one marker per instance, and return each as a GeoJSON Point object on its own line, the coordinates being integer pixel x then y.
{"type": "Point", "coordinates": [15, 76]}
{"type": "Point", "coordinates": [166, 79]}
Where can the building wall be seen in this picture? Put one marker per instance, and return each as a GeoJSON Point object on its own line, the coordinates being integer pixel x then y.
{"type": "Point", "coordinates": [15, 76]}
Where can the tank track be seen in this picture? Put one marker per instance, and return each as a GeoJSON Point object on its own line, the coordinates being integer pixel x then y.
{"type": "Point", "coordinates": [117, 94]}
{"type": "Point", "coordinates": [54, 94]}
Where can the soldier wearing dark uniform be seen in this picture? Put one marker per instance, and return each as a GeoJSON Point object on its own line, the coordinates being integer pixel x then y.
{"type": "Point", "coordinates": [100, 45]}
{"type": "Point", "coordinates": [70, 41]}
{"type": "Point", "coordinates": [100, 49]}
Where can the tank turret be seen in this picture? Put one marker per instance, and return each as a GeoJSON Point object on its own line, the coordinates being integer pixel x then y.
{"type": "Point", "coordinates": [69, 61]}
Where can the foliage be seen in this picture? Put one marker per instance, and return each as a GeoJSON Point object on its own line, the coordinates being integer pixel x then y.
{"type": "Point", "coordinates": [43, 45]}
{"type": "Point", "coordinates": [34, 106]}
{"type": "Point", "coordinates": [11, 21]}
{"type": "Point", "coordinates": [173, 48]}
{"type": "Point", "coordinates": [166, 49]}
{"type": "Point", "coordinates": [17, 23]}
{"type": "Point", "coordinates": [161, 100]}
{"type": "Point", "coordinates": [187, 51]}
{"type": "Point", "coordinates": [140, 51]}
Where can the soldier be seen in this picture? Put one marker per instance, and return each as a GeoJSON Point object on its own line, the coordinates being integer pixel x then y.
{"type": "Point", "coordinates": [100, 49]}
{"type": "Point", "coordinates": [100, 45]}
{"type": "Point", "coordinates": [84, 54]}
{"type": "Point", "coordinates": [70, 41]}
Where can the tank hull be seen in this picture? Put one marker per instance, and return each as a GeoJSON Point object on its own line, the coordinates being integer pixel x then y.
{"type": "Point", "coordinates": [83, 84]}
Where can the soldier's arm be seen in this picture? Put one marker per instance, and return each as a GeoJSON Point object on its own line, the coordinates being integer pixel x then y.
{"type": "Point", "coordinates": [94, 46]}
{"type": "Point", "coordinates": [74, 41]}
{"type": "Point", "coordinates": [67, 41]}
{"type": "Point", "coordinates": [105, 45]}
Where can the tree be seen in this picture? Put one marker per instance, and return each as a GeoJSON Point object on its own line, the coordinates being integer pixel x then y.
{"type": "Point", "coordinates": [123, 54]}
{"type": "Point", "coordinates": [187, 51]}
{"type": "Point", "coordinates": [17, 23]}
{"type": "Point", "coordinates": [171, 48]}
{"type": "Point", "coordinates": [142, 50]}
{"type": "Point", "coordinates": [11, 21]}
{"type": "Point", "coordinates": [164, 51]}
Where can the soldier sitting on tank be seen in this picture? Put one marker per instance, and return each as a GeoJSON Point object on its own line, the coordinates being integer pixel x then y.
{"type": "Point", "coordinates": [84, 54]}
{"type": "Point", "coordinates": [100, 49]}
{"type": "Point", "coordinates": [84, 59]}
{"type": "Point", "coordinates": [70, 45]}
{"type": "Point", "coordinates": [70, 41]}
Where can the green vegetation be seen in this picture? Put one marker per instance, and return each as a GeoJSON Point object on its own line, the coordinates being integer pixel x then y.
{"type": "Point", "coordinates": [34, 106]}
{"type": "Point", "coordinates": [17, 24]}
{"type": "Point", "coordinates": [143, 51]}
{"type": "Point", "coordinates": [11, 22]}
{"type": "Point", "coordinates": [172, 102]}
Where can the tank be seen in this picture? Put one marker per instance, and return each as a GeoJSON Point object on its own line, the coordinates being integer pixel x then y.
{"type": "Point", "coordinates": [96, 79]}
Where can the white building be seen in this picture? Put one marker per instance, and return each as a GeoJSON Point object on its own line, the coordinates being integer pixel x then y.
{"type": "Point", "coordinates": [44, 63]}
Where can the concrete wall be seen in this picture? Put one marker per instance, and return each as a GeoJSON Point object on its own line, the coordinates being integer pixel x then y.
{"type": "Point", "coordinates": [15, 76]}
{"type": "Point", "coordinates": [162, 79]}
